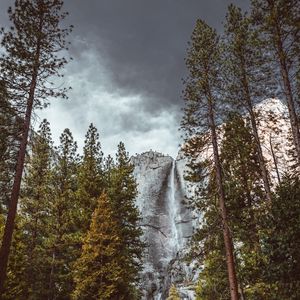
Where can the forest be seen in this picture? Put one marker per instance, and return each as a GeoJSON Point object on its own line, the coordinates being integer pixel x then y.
{"type": "Point", "coordinates": [69, 224]}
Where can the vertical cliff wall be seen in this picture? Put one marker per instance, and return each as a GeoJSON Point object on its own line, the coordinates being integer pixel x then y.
{"type": "Point", "coordinates": [167, 223]}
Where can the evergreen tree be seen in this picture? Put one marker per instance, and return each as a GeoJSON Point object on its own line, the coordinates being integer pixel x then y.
{"type": "Point", "coordinates": [109, 166]}
{"type": "Point", "coordinates": [10, 126]}
{"type": "Point", "coordinates": [63, 243]}
{"type": "Point", "coordinates": [246, 70]}
{"type": "Point", "coordinates": [98, 272]}
{"type": "Point", "coordinates": [203, 98]}
{"type": "Point", "coordinates": [278, 22]}
{"type": "Point", "coordinates": [282, 242]}
{"type": "Point", "coordinates": [90, 177]}
{"type": "Point", "coordinates": [122, 191]}
{"type": "Point", "coordinates": [242, 177]}
{"type": "Point", "coordinates": [36, 194]}
{"type": "Point", "coordinates": [173, 293]}
{"type": "Point", "coordinates": [30, 59]}
{"type": "Point", "coordinates": [246, 211]}
{"type": "Point", "coordinates": [212, 282]}
{"type": "Point", "coordinates": [15, 284]}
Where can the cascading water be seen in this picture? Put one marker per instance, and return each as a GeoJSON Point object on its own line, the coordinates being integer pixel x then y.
{"type": "Point", "coordinates": [174, 212]}
{"type": "Point", "coordinates": [168, 225]}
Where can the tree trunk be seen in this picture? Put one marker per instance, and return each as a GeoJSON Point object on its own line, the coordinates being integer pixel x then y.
{"type": "Point", "coordinates": [249, 106]}
{"type": "Point", "coordinates": [290, 103]}
{"type": "Point", "coordinates": [226, 232]}
{"type": "Point", "coordinates": [261, 161]}
{"type": "Point", "coordinates": [13, 204]}
{"type": "Point", "coordinates": [278, 44]}
{"type": "Point", "coordinates": [10, 221]}
{"type": "Point", "coordinates": [274, 160]}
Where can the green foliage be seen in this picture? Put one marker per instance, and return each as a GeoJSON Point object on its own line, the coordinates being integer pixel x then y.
{"type": "Point", "coordinates": [282, 240]}
{"type": "Point", "coordinates": [203, 84]}
{"type": "Point", "coordinates": [10, 126]}
{"type": "Point", "coordinates": [278, 23]}
{"type": "Point", "coordinates": [31, 58]}
{"type": "Point", "coordinates": [173, 293]}
{"type": "Point", "coordinates": [246, 66]}
{"type": "Point", "coordinates": [98, 272]}
{"type": "Point", "coordinates": [90, 178]}
{"type": "Point", "coordinates": [32, 51]}
{"type": "Point", "coordinates": [245, 204]}
{"type": "Point", "coordinates": [63, 242]}
{"type": "Point", "coordinates": [16, 279]}
{"type": "Point", "coordinates": [213, 281]}
{"type": "Point", "coordinates": [58, 196]}
{"type": "Point", "coordinates": [36, 195]}
{"type": "Point", "coordinates": [122, 191]}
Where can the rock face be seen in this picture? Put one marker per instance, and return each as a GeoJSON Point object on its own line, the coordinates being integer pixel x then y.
{"type": "Point", "coordinates": [167, 223]}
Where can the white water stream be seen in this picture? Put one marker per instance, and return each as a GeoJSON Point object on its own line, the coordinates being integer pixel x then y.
{"type": "Point", "coordinates": [174, 213]}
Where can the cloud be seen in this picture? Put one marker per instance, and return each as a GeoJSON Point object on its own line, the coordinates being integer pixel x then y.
{"type": "Point", "coordinates": [127, 69]}
{"type": "Point", "coordinates": [118, 115]}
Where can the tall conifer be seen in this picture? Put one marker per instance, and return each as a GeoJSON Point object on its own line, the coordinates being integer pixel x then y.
{"type": "Point", "coordinates": [63, 243]}
{"type": "Point", "coordinates": [278, 22]}
{"type": "Point", "coordinates": [122, 191]}
{"type": "Point", "coordinates": [10, 126]}
{"type": "Point", "coordinates": [90, 177]}
{"type": "Point", "coordinates": [202, 97]}
{"type": "Point", "coordinates": [99, 273]}
{"type": "Point", "coordinates": [246, 70]}
{"type": "Point", "coordinates": [35, 196]}
{"type": "Point", "coordinates": [29, 60]}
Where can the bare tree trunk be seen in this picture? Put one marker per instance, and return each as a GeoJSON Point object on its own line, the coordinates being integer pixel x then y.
{"type": "Point", "coordinates": [226, 232]}
{"type": "Point", "coordinates": [274, 160]}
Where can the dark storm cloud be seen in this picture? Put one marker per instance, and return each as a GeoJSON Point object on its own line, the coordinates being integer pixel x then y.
{"type": "Point", "coordinates": [144, 42]}
{"type": "Point", "coordinates": [127, 68]}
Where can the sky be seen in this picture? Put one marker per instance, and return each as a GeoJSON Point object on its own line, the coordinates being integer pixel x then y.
{"type": "Point", "coordinates": [127, 70]}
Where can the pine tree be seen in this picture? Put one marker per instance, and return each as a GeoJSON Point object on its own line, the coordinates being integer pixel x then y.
{"type": "Point", "coordinates": [10, 126]}
{"type": "Point", "coordinates": [29, 60]}
{"type": "Point", "coordinates": [278, 22]}
{"type": "Point", "coordinates": [246, 69]}
{"type": "Point", "coordinates": [99, 272]}
{"type": "Point", "coordinates": [90, 177]}
{"type": "Point", "coordinates": [245, 194]}
{"type": "Point", "coordinates": [202, 96]}
{"type": "Point", "coordinates": [173, 293]}
{"type": "Point", "coordinates": [122, 191]}
{"type": "Point", "coordinates": [16, 283]}
{"type": "Point", "coordinates": [63, 243]}
{"type": "Point", "coordinates": [109, 166]}
{"type": "Point", "coordinates": [282, 242]}
{"type": "Point", "coordinates": [35, 196]}
{"type": "Point", "coordinates": [240, 161]}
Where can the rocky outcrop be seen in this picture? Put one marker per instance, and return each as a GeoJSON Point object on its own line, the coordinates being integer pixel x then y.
{"type": "Point", "coordinates": [167, 223]}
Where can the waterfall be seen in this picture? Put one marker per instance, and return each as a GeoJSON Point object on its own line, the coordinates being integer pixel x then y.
{"type": "Point", "coordinates": [174, 212]}
{"type": "Point", "coordinates": [161, 202]}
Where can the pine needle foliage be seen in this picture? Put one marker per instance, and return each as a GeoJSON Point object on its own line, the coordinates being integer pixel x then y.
{"type": "Point", "coordinates": [98, 272]}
